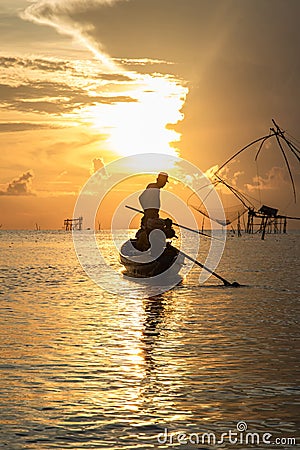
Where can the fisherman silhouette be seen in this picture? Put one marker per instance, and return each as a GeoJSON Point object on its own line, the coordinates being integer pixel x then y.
{"type": "Point", "coordinates": [150, 202]}
{"type": "Point", "coordinates": [150, 198]}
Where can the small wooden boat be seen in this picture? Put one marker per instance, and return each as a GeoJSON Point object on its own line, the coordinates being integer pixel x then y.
{"type": "Point", "coordinates": [144, 265]}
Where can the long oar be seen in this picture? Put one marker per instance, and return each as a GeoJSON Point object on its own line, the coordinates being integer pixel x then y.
{"type": "Point", "coordinates": [226, 282]}
{"type": "Point", "coordinates": [177, 224]}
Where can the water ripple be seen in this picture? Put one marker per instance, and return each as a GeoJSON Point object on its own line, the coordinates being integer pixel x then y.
{"type": "Point", "coordinates": [83, 369]}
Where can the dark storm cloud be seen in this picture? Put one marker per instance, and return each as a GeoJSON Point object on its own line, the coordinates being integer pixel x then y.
{"type": "Point", "coordinates": [20, 185]}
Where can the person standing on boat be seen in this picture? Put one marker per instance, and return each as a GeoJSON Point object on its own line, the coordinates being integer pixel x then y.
{"type": "Point", "coordinates": [150, 198]}
{"type": "Point", "coordinates": [150, 202]}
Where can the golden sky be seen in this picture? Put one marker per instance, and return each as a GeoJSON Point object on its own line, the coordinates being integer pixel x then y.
{"type": "Point", "coordinates": [86, 82]}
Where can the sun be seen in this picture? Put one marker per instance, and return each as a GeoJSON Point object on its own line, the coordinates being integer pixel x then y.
{"type": "Point", "coordinates": [143, 123]}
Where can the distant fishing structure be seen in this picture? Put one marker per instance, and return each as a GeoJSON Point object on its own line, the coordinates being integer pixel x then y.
{"type": "Point", "coordinates": [264, 219]}
{"type": "Point", "coordinates": [73, 224]}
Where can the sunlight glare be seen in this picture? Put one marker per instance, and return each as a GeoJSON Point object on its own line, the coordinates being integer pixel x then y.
{"type": "Point", "coordinates": [142, 125]}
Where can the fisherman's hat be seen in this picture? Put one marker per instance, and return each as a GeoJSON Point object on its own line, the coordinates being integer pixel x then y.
{"type": "Point", "coordinates": [163, 175]}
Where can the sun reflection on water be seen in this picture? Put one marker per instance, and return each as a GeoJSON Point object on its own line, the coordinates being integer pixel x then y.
{"type": "Point", "coordinates": [82, 367]}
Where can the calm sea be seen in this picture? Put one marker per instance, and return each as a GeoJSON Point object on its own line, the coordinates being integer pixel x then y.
{"type": "Point", "coordinates": [82, 368]}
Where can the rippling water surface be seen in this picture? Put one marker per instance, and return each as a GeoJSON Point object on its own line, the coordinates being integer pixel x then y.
{"type": "Point", "coordinates": [82, 368]}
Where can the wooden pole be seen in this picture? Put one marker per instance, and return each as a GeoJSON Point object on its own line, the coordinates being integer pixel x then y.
{"type": "Point", "coordinates": [264, 225]}
{"type": "Point", "coordinates": [239, 226]}
{"type": "Point", "coordinates": [285, 225]}
{"type": "Point", "coordinates": [177, 225]}
{"type": "Point", "coordinates": [226, 282]}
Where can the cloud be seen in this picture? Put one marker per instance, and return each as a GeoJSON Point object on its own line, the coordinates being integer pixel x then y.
{"type": "Point", "coordinates": [52, 97]}
{"type": "Point", "coordinates": [34, 63]}
{"type": "Point", "coordinates": [210, 173]}
{"type": "Point", "coordinates": [20, 186]}
{"type": "Point", "coordinates": [59, 15]}
{"type": "Point", "coordinates": [114, 77]}
{"type": "Point", "coordinates": [142, 61]}
{"type": "Point", "coordinates": [74, 68]}
{"type": "Point", "coordinates": [11, 127]}
{"type": "Point", "coordinates": [97, 164]}
{"type": "Point", "coordinates": [275, 178]}
{"type": "Point", "coordinates": [81, 90]}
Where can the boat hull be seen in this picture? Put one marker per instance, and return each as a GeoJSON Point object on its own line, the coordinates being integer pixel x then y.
{"type": "Point", "coordinates": [142, 265]}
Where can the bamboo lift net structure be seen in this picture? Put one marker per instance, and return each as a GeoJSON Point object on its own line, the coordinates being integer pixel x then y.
{"type": "Point", "coordinates": [241, 202]}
